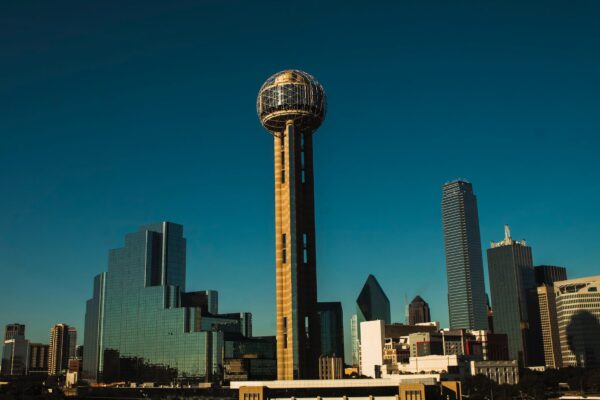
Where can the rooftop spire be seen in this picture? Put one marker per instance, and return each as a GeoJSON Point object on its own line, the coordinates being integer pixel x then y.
{"type": "Point", "coordinates": [507, 232]}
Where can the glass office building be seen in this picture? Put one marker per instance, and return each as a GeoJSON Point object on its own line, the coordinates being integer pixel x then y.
{"type": "Point", "coordinates": [514, 298]}
{"type": "Point", "coordinates": [141, 325]}
{"type": "Point", "coordinates": [464, 264]}
{"type": "Point", "coordinates": [332, 328]}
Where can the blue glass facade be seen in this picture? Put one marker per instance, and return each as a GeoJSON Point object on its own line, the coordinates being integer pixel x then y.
{"type": "Point", "coordinates": [137, 328]}
{"type": "Point", "coordinates": [464, 264]}
{"type": "Point", "coordinates": [332, 328]}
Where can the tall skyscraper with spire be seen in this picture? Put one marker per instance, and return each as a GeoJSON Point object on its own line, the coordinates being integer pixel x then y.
{"type": "Point", "coordinates": [464, 264]}
{"type": "Point", "coordinates": [514, 298]}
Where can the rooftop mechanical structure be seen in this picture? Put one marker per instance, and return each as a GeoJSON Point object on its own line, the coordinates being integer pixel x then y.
{"type": "Point", "coordinates": [291, 105]}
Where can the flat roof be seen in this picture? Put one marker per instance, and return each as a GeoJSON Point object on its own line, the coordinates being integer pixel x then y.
{"type": "Point", "coordinates": [428, 379]}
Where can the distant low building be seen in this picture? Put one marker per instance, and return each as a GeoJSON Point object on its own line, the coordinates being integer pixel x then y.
{"type": "Point", "coordinates": [401, 387]}
{"type": "Point", "coordinates": [501, 372]}
{"type": "Point", "coordinates": [331, 367]}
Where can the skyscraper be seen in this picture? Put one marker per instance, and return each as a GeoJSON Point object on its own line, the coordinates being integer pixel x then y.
{"type": "Point", "coordinates": [549, 326]}
{"type": "Point", "coordinates": [514, 298]}
{"type": "Point", "coordinates": [72, 342]}
{"type": "Point", "coordinates": [141, 325]}
{"type": "Point", "coordinates": [291, 106]}
{"type": "Point", "coordinates": [578, 311]}
{"type": "Point", "coordinates": [15, 356]}
{"type": "Point", "coordinates": [464, 265]}
{"type": "Point", "coordinates": [548, 274]}
{"type": "Point", "coordinates": [372, 304]}
{"type": "Point", "coordinates": [332, 328]}
{"type": "Point", "coordinates": [12, 331]}
{"type": "Point", "coordinates": [58, 353]}
{"type": "Point", "coordinates": [418, 311]}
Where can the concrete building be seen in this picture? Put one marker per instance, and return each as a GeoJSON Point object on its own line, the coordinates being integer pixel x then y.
{"type": "Point", "coordinates": [418, 311]}
{"type": "Point", "coordinates": [38, 358]}
{"type": "Point", "coordinates": [578, 319]}
{"type": "Point", "coordinates": [398, 387]}
{"type": "Point", "coordinates": [514, 298]}
{"type": "Point", "coordinates": [549, 326]}
{"type": "Point", "coordinates": [435, 364]}
{"type": "Point", "coordinates": [58, 353]}
{"type": "Point", "coordinates": [464, 264]}
{"type": "Point", "coordinates": [331, 367]}
{"type": "Point", "coordinates": [371, 348]}
{"type": "Point", "coordinates": [372, 304]}
{"type": "Point", "coordinates": [291, 106]}
{"type": "Point", "coordinates": [501, 372]}
{"type": "Point", "coordinates": [487, 346]}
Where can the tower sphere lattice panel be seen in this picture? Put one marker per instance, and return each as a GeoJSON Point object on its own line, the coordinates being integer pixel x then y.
{"type": "Point", "coordinates": [291, 95]}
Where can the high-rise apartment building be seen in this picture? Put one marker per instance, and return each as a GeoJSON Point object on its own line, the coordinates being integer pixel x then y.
{"type": "Point", "coordinates": [578, 319]}
{"type": "Point", "coordinates": [58, 353]}
{"type": "Point", "coordinates": [418, 311]}
{"type": "Point", "coordinates": [549, 326]}
{"type": "Point", "coordinates": [291, 106]}
{"type": "Point", "coordinates": [372, 304]}
{"type": "Point", "coordinates": [332, 329]}
{"type": "Point", "coordinates": [514, 298]}
{"type": "Point", "coordinates": [142, 325]}
{"type": "Point", "coordinates": [464, 265]}
{"type": "Point", "coordinates": [548, 274]}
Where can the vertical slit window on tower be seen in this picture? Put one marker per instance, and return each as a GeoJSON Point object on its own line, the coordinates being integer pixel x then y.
{"type": "Point", "coordinates": [285, 332]}
{"type": "Point", "coordinates": [306, 327]}
{"type": "Point", "coordinates": [284, 247]}
{"type": "Point", "coordinates": [283, 159]}
{"type": "Point", "coordinates": [302, 158]}
{"type": "Point", "coordinates": [304, 246]}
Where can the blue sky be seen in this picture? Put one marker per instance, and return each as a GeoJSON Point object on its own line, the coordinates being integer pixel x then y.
{"type": "Point", "coordinates": [117, 114]}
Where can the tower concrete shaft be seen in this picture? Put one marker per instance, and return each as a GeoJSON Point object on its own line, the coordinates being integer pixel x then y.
{"type": "Point", "coordinates": [298, 331]}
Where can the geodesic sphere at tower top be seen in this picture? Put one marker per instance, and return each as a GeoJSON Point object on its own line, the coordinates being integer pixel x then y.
{"type": "Point", "coordinates": [291, 95]}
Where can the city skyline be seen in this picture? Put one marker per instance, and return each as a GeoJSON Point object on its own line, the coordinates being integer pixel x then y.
{"type": "Point", "coordinates": [79, 166]}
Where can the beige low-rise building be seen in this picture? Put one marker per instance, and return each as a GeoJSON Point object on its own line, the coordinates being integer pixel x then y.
{"type": "Point", "coordinates": [501, 372]}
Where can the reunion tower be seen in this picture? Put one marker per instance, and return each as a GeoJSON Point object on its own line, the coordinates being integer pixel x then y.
{"type": "Point", "coordinates": [291, 105]}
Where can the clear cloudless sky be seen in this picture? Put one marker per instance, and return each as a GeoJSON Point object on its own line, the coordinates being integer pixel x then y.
{"type": "Point", "coordinates": [115, 114]}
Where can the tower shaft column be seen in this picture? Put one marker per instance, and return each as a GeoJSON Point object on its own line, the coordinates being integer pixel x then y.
{"type": "Point", "coordinates": [298, 331]}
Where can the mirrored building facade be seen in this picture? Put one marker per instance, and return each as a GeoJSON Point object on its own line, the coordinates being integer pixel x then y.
{"type": "Point", "coordinates": [332, 328]}
{"type": "Point", "coordinates": [141, 324]}
{"type": "Point", "coordinates": [464, 263]}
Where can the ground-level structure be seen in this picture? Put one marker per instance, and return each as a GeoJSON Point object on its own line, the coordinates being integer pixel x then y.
{"type": "Point", "coordinates": [407, 387]}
